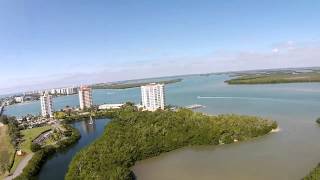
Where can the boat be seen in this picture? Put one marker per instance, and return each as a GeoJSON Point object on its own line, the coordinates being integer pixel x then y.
{"type": "Point", "coordinates": [91, 120]}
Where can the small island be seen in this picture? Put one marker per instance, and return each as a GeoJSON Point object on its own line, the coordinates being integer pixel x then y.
{"type": "Point", "coordinates": [134, 135]}
{"type": "Point", "coordinates": [126, 85]}
{"type": "Point", "coordinates": [276, 77]}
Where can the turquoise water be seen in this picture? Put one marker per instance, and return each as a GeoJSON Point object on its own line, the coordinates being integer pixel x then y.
{"type": "Point", "coordinates": [288, 154]}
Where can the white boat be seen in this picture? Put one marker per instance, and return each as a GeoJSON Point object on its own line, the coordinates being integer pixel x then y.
{"type": "Point", "coordinates": [91, 120]}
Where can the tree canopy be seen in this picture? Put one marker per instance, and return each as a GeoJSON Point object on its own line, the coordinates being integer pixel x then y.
{"type": "Point", "coordinates": [134, 135]}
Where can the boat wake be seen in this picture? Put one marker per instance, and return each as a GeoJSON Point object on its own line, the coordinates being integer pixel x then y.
{"type": "Point", "coordinates": [234, 97]}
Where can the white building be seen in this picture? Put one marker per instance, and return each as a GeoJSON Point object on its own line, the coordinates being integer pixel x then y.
{"type": "Point", "coordinates": [46, 105]}
{"type": "Point", "coordinates": [19, 99]}
{"type": "Point", "coordinates": [71, 90]}
{"type": "Point", "coordinates": [63, 91]}
{"type": "Point", "coordinates": [153, 96]}
{"type": "Point", "coordinates": [110, 106]}
{"type": "Point", "coordinates": [85, 97]}
{"type": "Point", "coordinates": [53, 91]}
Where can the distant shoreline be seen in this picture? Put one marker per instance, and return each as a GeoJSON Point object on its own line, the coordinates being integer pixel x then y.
{"type": "Point", "coordinates": [276, 78]}
{"type": "Point", "coordinates": [131, 85]}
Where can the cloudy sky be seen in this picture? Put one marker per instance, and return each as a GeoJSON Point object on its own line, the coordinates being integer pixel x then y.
{"type": "Point", "coordinates": [52, 43]}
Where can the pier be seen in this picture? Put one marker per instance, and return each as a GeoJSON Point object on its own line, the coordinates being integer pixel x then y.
{"type": "Point", "coordinates": [195, 106]}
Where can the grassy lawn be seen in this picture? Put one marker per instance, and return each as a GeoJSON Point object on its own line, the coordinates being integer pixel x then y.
{"type": "Point", "coordinates": [6, 150]}
{"type": "Point", "coordinates": [28, 135]}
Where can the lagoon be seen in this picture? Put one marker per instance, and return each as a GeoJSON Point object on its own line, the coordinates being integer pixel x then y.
{"type": "Point", "coordinates": [57, 165]}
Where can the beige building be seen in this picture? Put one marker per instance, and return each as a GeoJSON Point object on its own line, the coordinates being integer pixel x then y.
{"type": "Point", "coordinates": [46, 105]}
{"type": "Point", "coordinates": [85, 97]}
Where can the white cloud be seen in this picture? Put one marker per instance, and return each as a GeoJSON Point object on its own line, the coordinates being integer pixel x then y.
{"type": "Point", "coordinates": [282, 55]}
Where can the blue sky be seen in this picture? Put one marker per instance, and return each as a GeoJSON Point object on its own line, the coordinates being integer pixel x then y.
{"type": "Point", "coordinates": [53, 43]}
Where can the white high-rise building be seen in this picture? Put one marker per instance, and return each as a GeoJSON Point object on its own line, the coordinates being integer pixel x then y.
{"type": "Point", "coordinates": [85, 97]}
{"type": "Point", "coordinates": [46, 105]}
{"type": "Point", "coordinates": [153, 96]}
{"type": "Point", "coordinates": [19, 99]}
{"type": "Point", "coordinates": [71, 90]}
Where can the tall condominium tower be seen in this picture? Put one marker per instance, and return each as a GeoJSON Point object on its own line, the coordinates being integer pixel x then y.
{"type": "Point", "coordinates": [153, 96]}
{"type": "Point", "coordinates": [85, 97]}
{"type": "Point", "coordinates": [46, 105]}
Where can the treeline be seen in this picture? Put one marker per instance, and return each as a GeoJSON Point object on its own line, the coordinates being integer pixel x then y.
{"type": "Point", "coordinates": [131, 85]}
{"type": "Point", "coordinates": [275, 78]}
{"type": "Point", "coordinates": [40, 156]}
{"type": "Point", "coordinates": [15, 137]}
{"type": "Point", "coordinates": [72, 134]}
{"type": "Point", "coordinates": [34, 165]}
{"type": "Point", "coordinates": [13, 128]}
{"type": "Point", "coordinates": [76, 116]}
{"type": "Point", "coordinates": [318, 120]}
{"type": "Point", "coordinates": [134, 135]}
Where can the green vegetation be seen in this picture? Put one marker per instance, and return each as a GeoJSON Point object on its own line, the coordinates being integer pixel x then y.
{"type": "Point", "coordinates": [277, 77]}
{"type": "Point", "coordinates": [314, 174]}
{"type": "Point", "coordinates": [14, 131]}
{"type": "Point", "coordinates": [9, 139]}
{"type": "Point", "coordinates": [40, 157]}
{"type": "Point", "coordinates": [29, 135]}
{"type": "Point", "coordinates": [318, 120]}
{"type": "Point", "coordinates": [134, 135]}
{"type": "Point", "coordinates": [7, 151]}
{"type": "Point", "coordinates": [76, 116]}
{"type": "Point", "coordinates": [71, 135]}
{"type": "Point", "coordinates": [34, 165]}
{"type": "Point", "coordinates": [130, 85]}
{"type": "Point", "coordinates": [35, 147]}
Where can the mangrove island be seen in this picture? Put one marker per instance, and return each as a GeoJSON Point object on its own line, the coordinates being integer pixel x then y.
{"type": "Point", "coordinates": [276, 77]}
{"type": "Point", "coordinates": [134, 135]}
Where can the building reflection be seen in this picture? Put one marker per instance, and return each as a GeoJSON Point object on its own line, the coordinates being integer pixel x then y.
{"type": "Point", "coordinates": [88, 128]}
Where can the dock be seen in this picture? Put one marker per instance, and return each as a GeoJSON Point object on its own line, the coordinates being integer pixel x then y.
{"type": "Point", "coordinates": [195, 106]}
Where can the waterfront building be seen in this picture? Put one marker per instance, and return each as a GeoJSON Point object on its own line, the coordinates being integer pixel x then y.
{"type": "Point", "coordinates": [85, 97]}
{"type": "Point", "coordinates": [110, 106]}
{"type": "Point", "coordinates": [71, 90]}
{"type": "Point", "coordinates": [153, 96]}
{"type": "Point", "coordinates": [19, 99]}
{"type": "Point", "coordinates": [46, 105]}
{"type": "Point", "coordinates": [53, 91]}
{"type": "Point", "coordinates": [63, 91]}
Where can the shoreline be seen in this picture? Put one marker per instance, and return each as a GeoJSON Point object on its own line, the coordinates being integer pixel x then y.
{"type": "Point", "coordinates": [278, 129]}
{"type": "Point", "coordinates": [38, 158]}
{"type": "Point", "coordinates": [23, 163]}
{"type": "Point", "coordinates": [257, 127]}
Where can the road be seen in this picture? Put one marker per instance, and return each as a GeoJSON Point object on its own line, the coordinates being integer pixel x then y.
{"type": "Point", "coordinates": [1, 109]}
{"type": "Point", "coordinates": [20, 167]}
